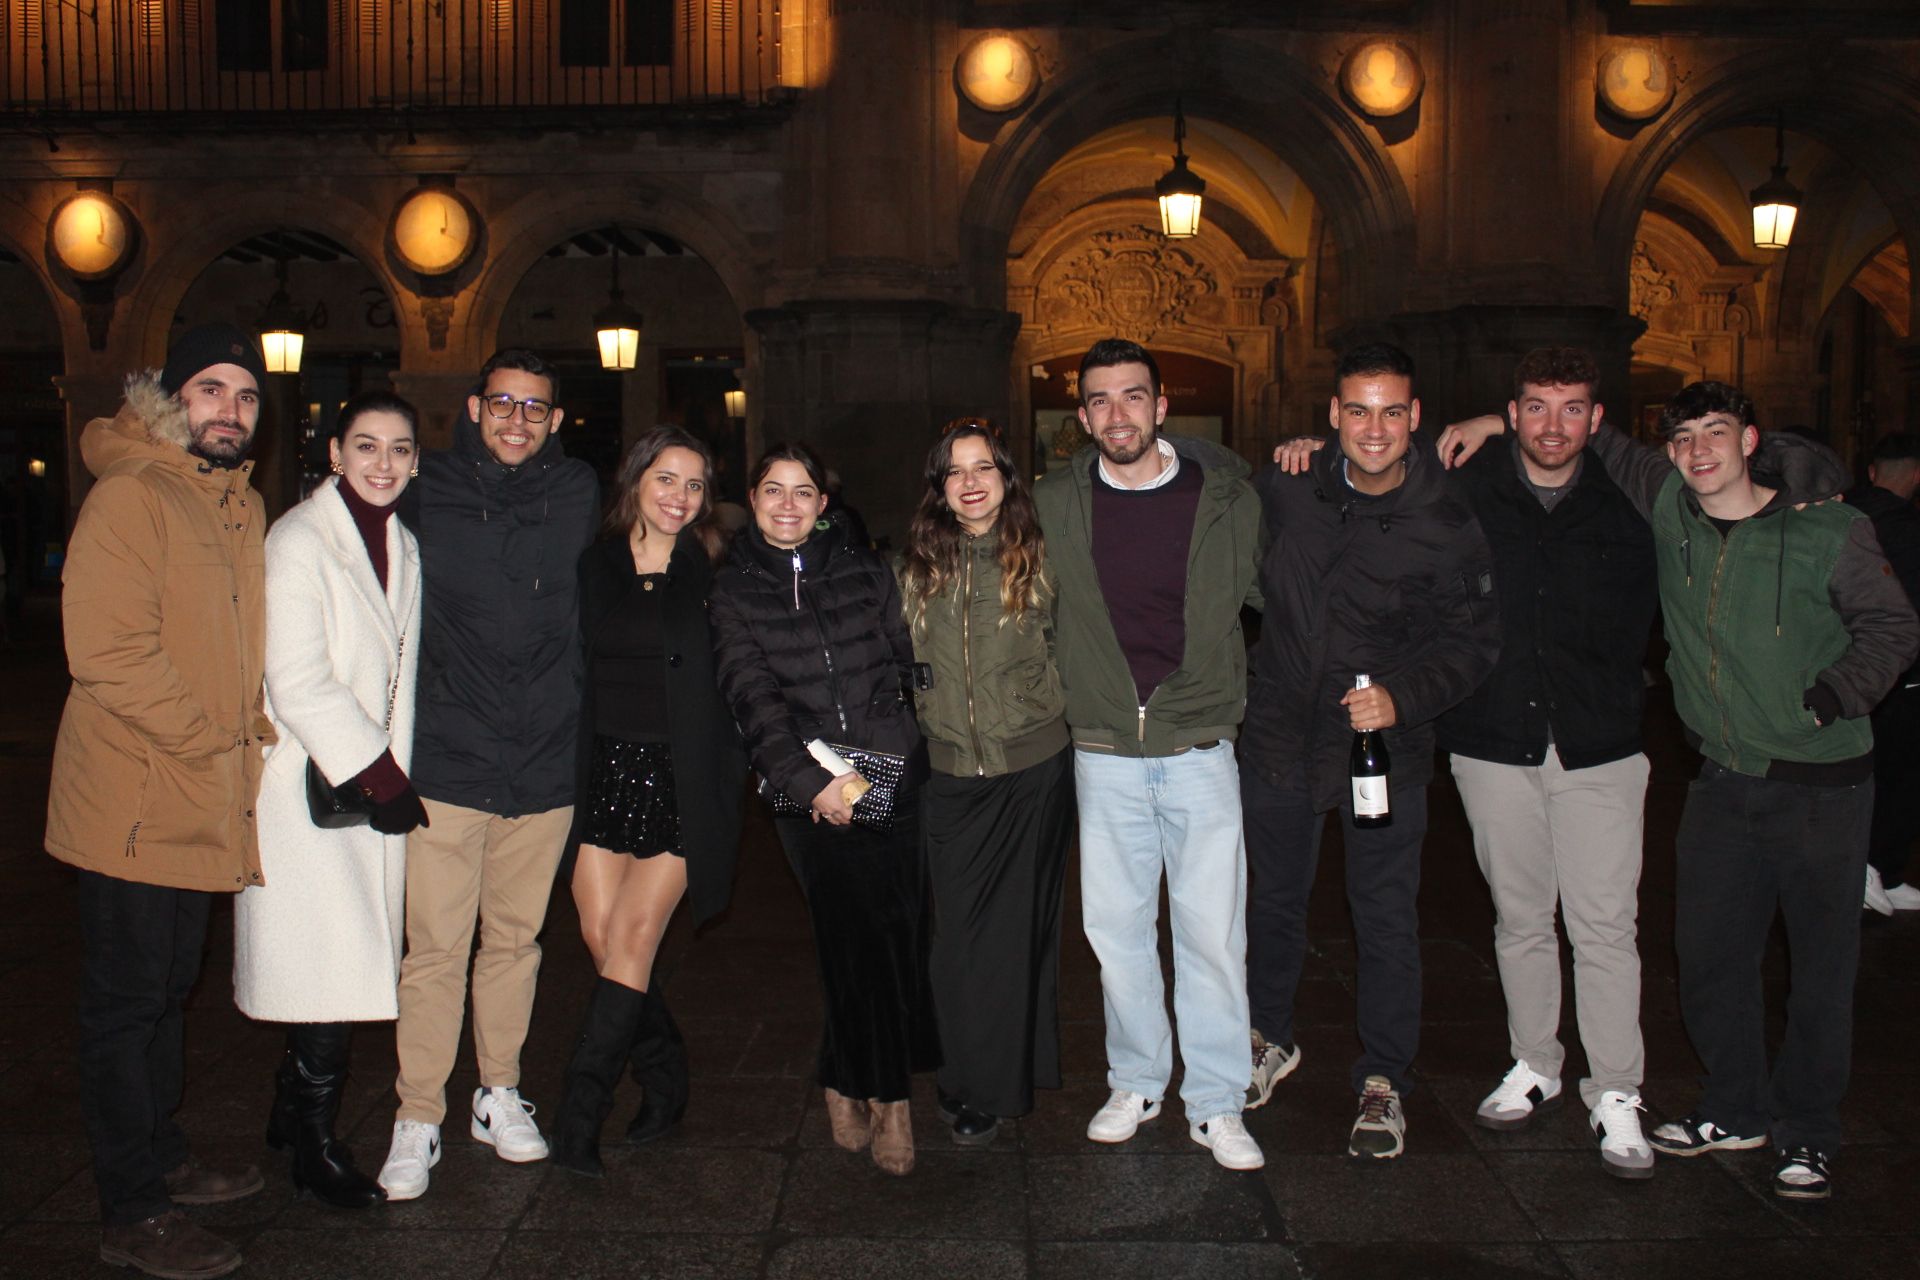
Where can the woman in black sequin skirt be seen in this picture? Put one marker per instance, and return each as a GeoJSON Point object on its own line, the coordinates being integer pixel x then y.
{"type": "Point", "coordinates": [658, 814]}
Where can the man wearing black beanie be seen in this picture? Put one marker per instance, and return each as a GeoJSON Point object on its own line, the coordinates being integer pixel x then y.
{"type": "Point", "coordinates": [156, 766]}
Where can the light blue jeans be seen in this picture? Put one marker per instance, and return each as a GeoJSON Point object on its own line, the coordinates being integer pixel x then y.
{"type": "Point", "coordinates": [1180, 813]}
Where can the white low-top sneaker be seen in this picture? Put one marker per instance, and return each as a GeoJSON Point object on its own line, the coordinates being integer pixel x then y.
{"type": "Point", "coordinates": [1272, 1063]}
{"type": "Point", "coordinates": [415, 1149]}
{"type": "Point", "coordinates": [1876, 898]}
{"type": "Point", "coordinates": [1524, 1094]}
{"type": "Point", "coordinates": [1227, 1137]}
{"type": "Point", "coordinates": [504, 1121]}
{"type": "Point", "coordinates": [1904, 897]}
{"type": "Point", "coordinates": [1624, 1149]}
{"type": "Point", "coordinates": [1122, 1116]}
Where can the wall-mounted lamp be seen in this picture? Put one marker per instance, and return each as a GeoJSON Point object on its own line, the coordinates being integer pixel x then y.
{"type": "Point", "coordinates": [617, 325]}
{"type": "Point", "coordinates": [282, 328]}
{"type": "Point", "coordinates": [736, 400]}
{"type": "Point", "coordinates": [1776, 202]}
{"type": "Point", "coordinates": [1180, 190]}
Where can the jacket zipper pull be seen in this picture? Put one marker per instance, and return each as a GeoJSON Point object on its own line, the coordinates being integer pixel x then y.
{"type": "Point", "coordinates": [796, 579]}
{"type": "Point", "coordinates": [1143, 722]}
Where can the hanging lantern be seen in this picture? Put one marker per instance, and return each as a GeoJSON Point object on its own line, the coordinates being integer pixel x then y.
{"type": "Point", "coordinates": [1180, 190]}
{"type": "Point", "coordinates": [1776, 202]}
{"type": "Point", "coordinates": [617, 326]}
{"type": "Point", "coordinates": [736, 402]}
{"type": "Point", "coordinates": [282, 328]}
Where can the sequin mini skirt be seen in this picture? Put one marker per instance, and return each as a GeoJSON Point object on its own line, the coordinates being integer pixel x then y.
{"type": "Point", "coordinates": [630, 805]}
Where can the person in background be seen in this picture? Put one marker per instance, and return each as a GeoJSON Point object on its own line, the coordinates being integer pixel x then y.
{"type": "Point", "coordinates": [999, 802]}
{"type": "Point", "coordinates": [317, 945]}
{"type": "Point", "coordinates": [812, 645]}
{"type": "Point", "coordinates": [658, 814]}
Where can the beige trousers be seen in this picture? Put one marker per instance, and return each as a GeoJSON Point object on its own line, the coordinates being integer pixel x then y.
{"type": "Point", "coordinates": [467, 866]}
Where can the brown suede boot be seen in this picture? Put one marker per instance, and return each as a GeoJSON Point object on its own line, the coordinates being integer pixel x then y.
{"type": "Point", "coordinates": [893, 1136]}
{"type": "Point", "coordinates": [170, 1245]}
{"type": "Point", "coordinates": [852, 1124]}
{"type": "Point", "coordinates": [194, 1183]}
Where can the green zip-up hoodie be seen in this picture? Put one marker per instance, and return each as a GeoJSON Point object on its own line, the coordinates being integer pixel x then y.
{"type": "Point", "coordinates": [1206, 695]}
{"type": "Point", "coordinates": [1787, 602]}
{"type": "Point", "coordinates": [996, 705]}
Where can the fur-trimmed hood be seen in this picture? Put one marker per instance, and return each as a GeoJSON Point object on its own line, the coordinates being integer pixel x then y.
{"type": "Point", "coordinates": [151, 426]}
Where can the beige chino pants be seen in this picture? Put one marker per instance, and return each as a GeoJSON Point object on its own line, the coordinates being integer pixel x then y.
{"type": "Point", "coordinates": [1543, 835]}
{"type": "Point", "coordinates": [471, 866]}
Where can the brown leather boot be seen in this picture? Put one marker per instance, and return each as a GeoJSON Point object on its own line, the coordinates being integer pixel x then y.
{"type": "Point", "coordinates": [170, 1245]}
{"type": "Point", "coordinates": [893, 1136]}
{"type": "Point", "coordinates": [194, 1183]}
{"type": "Point", "coordinates": [852, 1123]}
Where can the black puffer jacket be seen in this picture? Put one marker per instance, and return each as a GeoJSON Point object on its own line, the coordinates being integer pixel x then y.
{"type": "Point", "coordinates": [1578, 594]}
{"type": "Point", "coordinates": [1399, 587]}
{"type": "Point", "coordinates": [500, 667]}
{"type": "Point", "coordinates": [811, 644]}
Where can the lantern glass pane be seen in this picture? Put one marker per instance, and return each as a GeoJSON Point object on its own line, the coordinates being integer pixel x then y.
{"type": "Point", "coordinates": [1773, 225]}
{"type": "Point", "coordinates": [1180, 215]}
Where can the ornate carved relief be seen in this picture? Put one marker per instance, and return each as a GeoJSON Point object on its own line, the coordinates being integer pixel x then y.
{"type": "Point", "coordinates": [1651, 286]}
{"type": "Point", "coordinates": [1131, 282]}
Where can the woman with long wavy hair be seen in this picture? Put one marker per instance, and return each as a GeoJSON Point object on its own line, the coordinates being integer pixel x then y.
{"type": "Point", "coordinates": [999, 803]}
{"type": "Point", "coordinates": [661, 767]}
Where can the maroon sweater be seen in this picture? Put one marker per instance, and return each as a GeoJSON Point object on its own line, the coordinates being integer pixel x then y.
{"type": "Point", "coordinates": [1140, 543]}
{"type": "Point", "coordinates": [383, 780]}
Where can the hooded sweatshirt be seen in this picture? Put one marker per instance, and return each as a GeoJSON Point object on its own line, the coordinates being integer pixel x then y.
{"type": "Point", "coordinates": [164, 608]}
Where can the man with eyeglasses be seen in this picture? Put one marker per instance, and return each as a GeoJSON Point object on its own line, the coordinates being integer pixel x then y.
{"type": "Point", "coordinates": [502, 518]}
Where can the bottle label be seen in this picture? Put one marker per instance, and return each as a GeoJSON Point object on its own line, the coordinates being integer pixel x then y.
{"type": "Point", "coordinates": [1369, 797]}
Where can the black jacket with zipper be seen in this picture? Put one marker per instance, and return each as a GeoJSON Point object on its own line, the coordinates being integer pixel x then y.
{"type": "Point", "coordinates": [1578, 597]}
{"type": "Point", "coordinates": [500, 670]}
{"type": "Point", "coordinates": [811, 643]}
{"type": "Point", "coordinates": [1398, 587]}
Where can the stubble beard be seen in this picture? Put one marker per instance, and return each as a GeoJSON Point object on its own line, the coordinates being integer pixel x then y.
{"type": "Point", "coordinates": [219, 453]}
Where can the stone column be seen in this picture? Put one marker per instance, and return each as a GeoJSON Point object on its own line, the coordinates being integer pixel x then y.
{"type": "Point", "coordinates": [88, 395]}
{"type": "Point", "coordinates": [870, 383]}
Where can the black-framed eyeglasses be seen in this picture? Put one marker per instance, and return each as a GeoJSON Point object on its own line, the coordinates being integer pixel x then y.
{"type": "Point", "coordinates": [503, 405]}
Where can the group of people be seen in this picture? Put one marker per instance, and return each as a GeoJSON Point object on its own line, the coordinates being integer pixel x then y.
{"type": "Point", "coordinates": [509, 691]}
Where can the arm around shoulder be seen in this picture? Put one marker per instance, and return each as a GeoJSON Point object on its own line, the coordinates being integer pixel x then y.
{"type": "Point", "coordinates": [1879, 618]}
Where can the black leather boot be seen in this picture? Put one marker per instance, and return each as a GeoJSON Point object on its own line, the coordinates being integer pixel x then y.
{"type": "Point", "coordinates": [659, 1059]}
{"type": "Point", "coordinates": [322, 1163]}
{"type": "Point", "coordinates": [283, 1121]}
{"type": "Point", "coordinates": [613, 1011]}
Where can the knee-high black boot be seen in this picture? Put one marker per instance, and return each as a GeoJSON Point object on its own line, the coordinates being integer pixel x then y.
{"type": "Point", "coordinates": [283, 1122]}
{"type": "Point", "coordinates": [322, 1163]}
{"type": "Point", "coordinates": [613, 1011]}
{"type": "Point", "coordinates": [659, 1059]}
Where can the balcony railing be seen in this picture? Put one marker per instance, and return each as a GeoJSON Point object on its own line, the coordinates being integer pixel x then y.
{"type": "Point", "coordinates": [138, 56]}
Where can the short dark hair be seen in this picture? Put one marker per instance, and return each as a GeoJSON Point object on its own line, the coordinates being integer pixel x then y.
{"type": "Point", "coordinates": [1698, 399]}
{"type": "Point", "coordinates": [1108, 352]}
{"type": "Point", "coordinates": [1557, 367]}
{"type": "Point", "coordinates": [379, 401]}
{"type": "Point", "coordinates": [1897, 446]}
{"type": "Point", "coordinates": [523, 360]}
{"type": "Point", "coordinates": [1375, 358]}
{"type": "Point", "coordinates": [790, 451]}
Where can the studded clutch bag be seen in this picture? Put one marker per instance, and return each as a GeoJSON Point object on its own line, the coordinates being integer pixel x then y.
{"type": "Point", "coordinates": [878, 809]}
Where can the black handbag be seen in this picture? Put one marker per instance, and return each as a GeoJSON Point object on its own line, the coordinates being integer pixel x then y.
{"type": "Point", "coordinates": [334, 808]}
{"type": "Point", "coordinates": [877, 810]}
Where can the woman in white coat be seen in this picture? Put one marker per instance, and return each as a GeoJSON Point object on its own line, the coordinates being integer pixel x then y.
{"type": "Point", "coordinates": [317, 946]}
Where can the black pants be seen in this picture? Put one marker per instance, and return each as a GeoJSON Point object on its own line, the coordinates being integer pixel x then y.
{"type": "Point", "coordinates": [142, 948]}
{"type": "Point", "coordinates": [1383, 885]}
{"type": "Point", "coordinates": [997, 860]}
{"type": "Point", "coordinates": [866, 899]}
{"type": "Point", "coordinates": [1896, 784]}
{"type": "Point", "coordinates": [1747, 848]}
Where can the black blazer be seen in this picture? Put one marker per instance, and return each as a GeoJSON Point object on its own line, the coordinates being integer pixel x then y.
{"type": "Point", "coordinates": [1578, 594]}
{"type": "Point", "coordinates": [709, 765]}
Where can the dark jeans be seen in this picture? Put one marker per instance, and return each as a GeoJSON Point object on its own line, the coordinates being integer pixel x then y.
{"type": "Point", "coordinates": [1748, 848]}
{"type": "Point", "coordinates": [142, 948]}
{"type": "Point", "coordinates": [1383, 884]}
{"type": "Point", "coordinates": [1896, 784]}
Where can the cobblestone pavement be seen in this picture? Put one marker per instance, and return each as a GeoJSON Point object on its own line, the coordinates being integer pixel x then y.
{"type": "Point", "coordinates": [751, 1185]}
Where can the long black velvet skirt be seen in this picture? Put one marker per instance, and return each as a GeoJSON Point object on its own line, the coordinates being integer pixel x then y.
{"type": "Point", "coordinates": [997, 859]}
{"type": "Point", "coordinates": [865, 895]}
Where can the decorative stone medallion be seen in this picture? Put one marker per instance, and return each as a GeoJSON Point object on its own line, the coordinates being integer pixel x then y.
{"type": "Point", "coordinates": [1382, 78]}
{"type": "Point", "coordinates": [1635, 81]}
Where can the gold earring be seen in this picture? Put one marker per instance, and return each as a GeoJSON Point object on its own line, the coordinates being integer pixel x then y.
{"type": "Point", "coordinates": [338, 470]}
{"type": "Point", "coordinates": [411, 474]}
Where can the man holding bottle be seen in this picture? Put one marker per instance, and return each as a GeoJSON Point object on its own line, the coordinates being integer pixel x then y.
{"type": "Point", "coordinates": [1376, 569]}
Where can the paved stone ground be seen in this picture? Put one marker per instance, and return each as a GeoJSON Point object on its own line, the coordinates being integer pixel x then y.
{"type": "Point", "coordinates": [751, 1185]}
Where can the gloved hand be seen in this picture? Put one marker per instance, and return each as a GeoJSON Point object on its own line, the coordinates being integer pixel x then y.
{"type": "Point", "coordinates": [399, 815]}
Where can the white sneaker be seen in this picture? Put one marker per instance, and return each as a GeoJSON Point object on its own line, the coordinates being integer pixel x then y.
{"type": "Point", "coordinates": [1227, 1137]}
{"type": "Point", "coordinates": [504, 1121]}
{"type": "Point", "coordinates": [1904, 897]}
{"type": "Point", "coordinates": [1272, 1063]}
{"type": "Point", "coordinates": [1876, 897]}
{"type": "Point", "coordinates": [1616, 1123]}
{"type": "Point", "coordinates": [1522, 1095]}
{"type": "Point", "coordinates": [1122, 1116]}
{"type": "Point", "coordinates": [415, 1149]}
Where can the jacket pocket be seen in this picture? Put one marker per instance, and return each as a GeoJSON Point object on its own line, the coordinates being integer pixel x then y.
{"type": "Point", "coordinates": [187, 803]}
{"type": "Point", "coordinates": [1033, 696]}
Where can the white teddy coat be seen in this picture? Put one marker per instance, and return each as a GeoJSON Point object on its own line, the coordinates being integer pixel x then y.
{"type": "Point", "coordinates": [320, 940]}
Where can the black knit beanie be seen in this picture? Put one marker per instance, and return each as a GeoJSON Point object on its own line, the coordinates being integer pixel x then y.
{"type": "Point", "coordinates": [210, 344]}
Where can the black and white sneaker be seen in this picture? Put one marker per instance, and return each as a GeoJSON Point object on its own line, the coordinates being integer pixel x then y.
{"type": "Point", "coordinates": [1691, 1135]}
{"type": "Point", "coordinates": [1802, 1175]}
{"type": "Point", "coordinates": [1521, 1096]}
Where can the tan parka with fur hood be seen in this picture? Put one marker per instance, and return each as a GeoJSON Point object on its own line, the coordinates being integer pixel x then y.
{"type": "Point", "coordinates": [158, 757]}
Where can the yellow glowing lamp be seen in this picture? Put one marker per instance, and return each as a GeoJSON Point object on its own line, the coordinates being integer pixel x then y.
{"type": "Point", "coordinates": [736, 402]}
{"type": "Point", "coordinates": [1776, 202]}
{"type": "Point", "coordinates": [1180, 189]}
{"type": "Point", "coordinates": [282, 329]}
